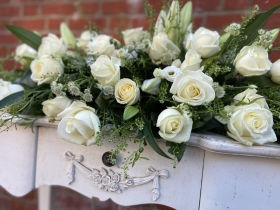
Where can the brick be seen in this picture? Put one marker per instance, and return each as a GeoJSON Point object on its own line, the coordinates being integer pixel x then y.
{"type": "Point", "coordinates": [31, 205]}
{"type": "Point", "coordinates": [221, 21]}
{"type": "Point", "coordinates": [156, 5]}
{"type": "Point", "coordinates": [3, 23]}
{"type": "Point", "coordinates": [274, 56]}
{"type": "Point", "coordinates": [5, 203]}
{"type": "Point", "coordinates": [4, 1]}
{"type": "Point", "coordinates": [31, 195]}
{"type": "Point", "coordinates": [197, 22]}
{"type": "Point", "coordinates": [54, 23]}
{"type": "Point", "coordinates": [201, 5]}
{"type": "Point", "coordinates": [30, 10]}
{"type": "Point", "coordinates": [265, 4]}
{"type": "Point", "coordinates": [140, 22]}
{"type": "Point", "coordinates": [273, 22]}
{"type": "Point", "coordinates": [8, 39]}
{"type": "Point", "coordinates": [31, 24]}
{"type": "Point", "coordinates": [235, 5]}
{"type": "Point", "coordinates": [120, 7]}
{"type": "Point", "coordinates": [58, 9]}
{"type": "Point", "coordinates": [119, 23]}
{"type": "Point", "coordinates": [17, 204]}
{"type": "Point", "coordinates": [2, 54]}
{"type": "Point", "coordinates": [78, 24]}
{"type": "Point", "coordinates": [162, 207]}
{"type": "Point", "coordinates": [99, 22]}
{"type": "Point", "coordinates": [89, 8]}
{"type": "Point", "coordinates": [9, 11]}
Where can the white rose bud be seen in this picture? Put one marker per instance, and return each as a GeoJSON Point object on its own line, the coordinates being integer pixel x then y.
{"type": "Point", "coordinates": [132, 35]}
{"type": "Point", "coordinates": [158, 73]}
{"type": "Point", "coordinates": [171, 72]}
{"type": "Point", "coordinates": [55, 106]}
{"type": "Point", "coordinates": [160, 46]}
{"type": "Point", "coordinates": [45, 69]}
{"type": "Point", "coordinates": [252, 61]}
{"type": "Point", "coordinates": [177, 63]}
{"type": "Point", "coordinates": [79, 124]}
{"type": "Point", "coordinates": [192, 61]}
{"type": "Point", "coordinates": [101, 45]}
{"type": "Point", "coordinates": [7, 88]}
{"type": "Point", "coordinates": [52, 45]}
{"type": "Point", "coordinates": [127, 92]}
{"type": "Point", "coordinates": [251, 124]}
{"type": "Point", "coordinates": [204, 41]}
{"type": "Point", "coordinates": [275, 72]}
{"type": "Point", "coordinates": [174, 126]}
{"type": "Point", "coordinates": [106, 71]}
{"type": "Point", "coordinates": [22, 51]}
{"type": "Point", "coordinates": [193, 87]}
{"type": "Point", "coordinates": [250, 95]}
{"type": "Point", "coordinates": [151, 86]}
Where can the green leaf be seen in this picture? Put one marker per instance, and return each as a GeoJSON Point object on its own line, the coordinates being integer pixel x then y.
{"type": "Point", "coordinates": [26, 36]}
{"type": "Point", "coordinates": [26, 80]}
{"type": "Point", "coordinates": [11, 99]}
{"type": "Point", "coordinates": [129, 112]}
{"type": "Point", "coordinates": [204, 118]}
{"type": "Point", "coordinates": [176, 149]}
{"type": "Point", "coordinates": [260, 81]}
{"type": "Point", "coordinates": [150, 139]}
{"type": "Point", "coordinates": [258, 23]}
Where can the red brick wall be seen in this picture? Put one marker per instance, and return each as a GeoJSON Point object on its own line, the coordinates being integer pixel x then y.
{"type": "Point", "coordinates": [45, 16]}
{"type": "Point", "coordinates": [112, 15]}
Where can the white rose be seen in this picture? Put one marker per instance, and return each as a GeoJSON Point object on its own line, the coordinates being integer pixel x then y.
{"type": "Point", "coordinates": [252, 61]}
{"type": "Point", "coordinates": [275, 72]}
{"type": "Point", "coordinates": [171, 72]}
{"type": "Point", "coordinates": [85, 38]}
{"type": "Point", "coordinates": [204, 41]}
{"type": "Point", "coordinates": [250, 95]}
{"type": "Point", "coordinates": [7, 88]}
{"type": "Point", "coordinates": [106, 71]}
{"type": "Point", "coordinates": [192, 61]}
{"type": "Point", "coordinates": [162, 46]}
{"type": "Point", "coordinates": [45, 69]}
{"type": "Point", "coordinates": [127, 92]}
{"type": "Point", "coordinates": [151, 86]}
{"type": "Point", "coordinates": [101, 45]}
{"type": "Point", "coordinates": [52, 45]}
{"type": "Point", "coordinates": [22, 51]}
{"type": "Point", "coordinates": [55, 106]}
{"type": "Point", "coordinates": [251, 124]}
{"type": "Point", "coordinates": [79, 124]}
{"type": "Point", "coordinates": [174, 126]}
{"type": "Point", "coordinates": [193, 87]}
{"type": "Point", "coordinates": [132, 35]}
{"type": "Point", "coordinates": [158, 73]}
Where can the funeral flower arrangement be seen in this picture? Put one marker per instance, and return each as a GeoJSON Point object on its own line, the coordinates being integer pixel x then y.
{"type": "Point", "coordinates": [162, 83]}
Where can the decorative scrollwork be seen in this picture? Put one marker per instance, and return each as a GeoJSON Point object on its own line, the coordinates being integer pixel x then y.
{"type": "Point", "coordinates": [111, 181]}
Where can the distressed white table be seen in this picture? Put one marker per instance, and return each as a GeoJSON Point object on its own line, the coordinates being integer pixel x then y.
{"type": "Point", "coordinates": [215, 172]}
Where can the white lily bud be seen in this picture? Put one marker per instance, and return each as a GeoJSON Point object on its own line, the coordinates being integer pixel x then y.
{"type": "Point", "coordinates": [159, 27]}
{"type": "Point", "coordinates": [151, 86]}
{"type": "Point", "coordinates": [67, 35]}
{"type": "Point", "coordinates": [172, 27]}
{"type": "Point", "coordinates": [186, 16]}
{"type": "Point", "coordinates": [274, 34]}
